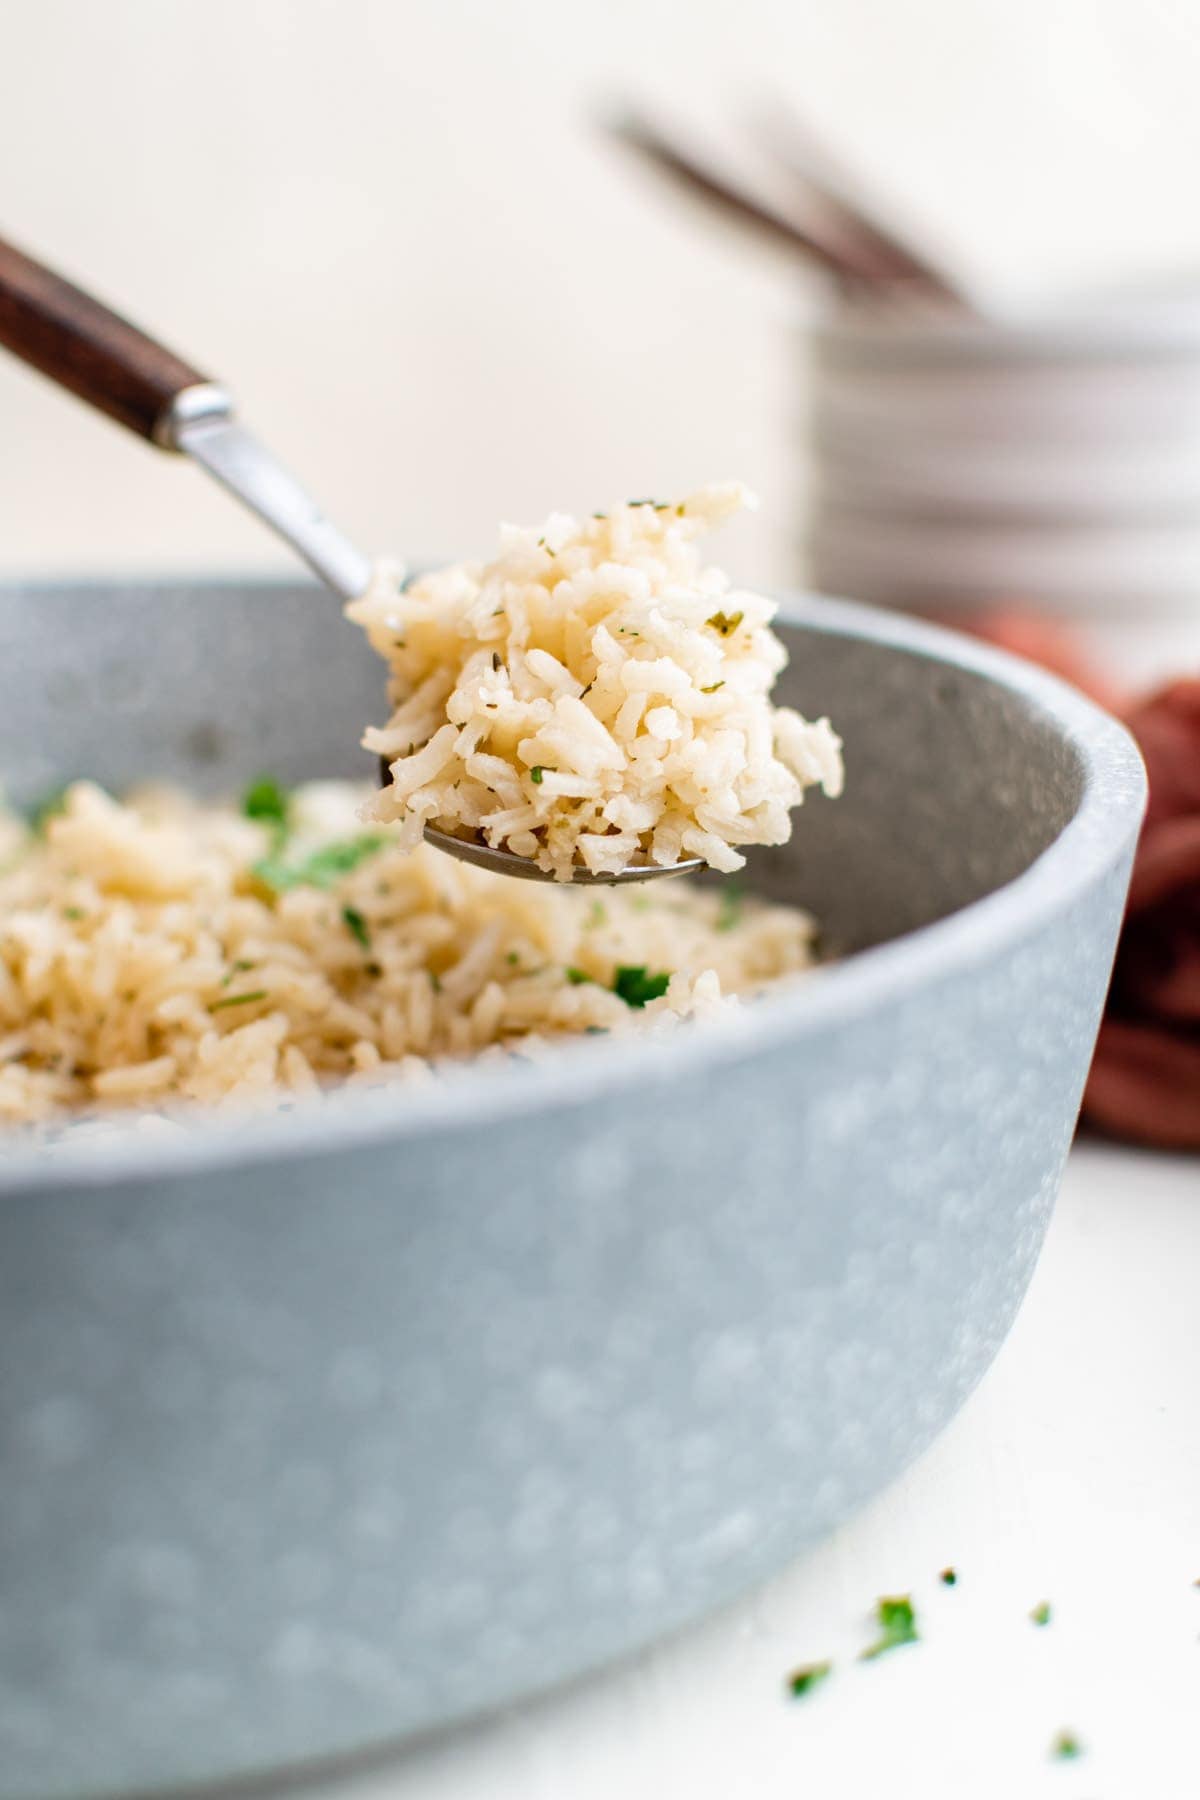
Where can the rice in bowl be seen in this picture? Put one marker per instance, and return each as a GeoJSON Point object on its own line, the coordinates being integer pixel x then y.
{"type": "Point", "coordinates": [162, 950]}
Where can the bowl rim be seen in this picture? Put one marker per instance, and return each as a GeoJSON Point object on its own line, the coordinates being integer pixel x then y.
{"type": "Point", "coordinates": [1117, 330]}
{"type": "Point", "coordinates": [1101, 831]}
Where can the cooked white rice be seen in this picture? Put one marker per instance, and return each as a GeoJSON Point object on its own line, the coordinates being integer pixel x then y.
{"type": "Point", "coordinates": [163, 950]}
{"type": "Point", "coordinates": [595, 697]}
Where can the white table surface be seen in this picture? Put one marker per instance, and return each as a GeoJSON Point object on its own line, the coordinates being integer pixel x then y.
{"type": "Point", "coordinates": [1072, 1475]}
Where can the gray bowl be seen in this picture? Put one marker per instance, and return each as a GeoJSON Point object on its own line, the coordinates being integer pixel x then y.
{"type": "Point", "coordinates": [322, 1429]}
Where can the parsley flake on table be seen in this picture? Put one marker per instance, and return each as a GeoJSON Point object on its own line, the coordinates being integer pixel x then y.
{"type": "Point", "coordinates": [637, 987]}
{"type": "Point", "coordinates": [897, 1625]}
{"type": "Point", "coordinates": [803, 1680]}
{"type": "Point", "coordinates": [948, 1577]}
{"type": "Point", "coordinates": [1040, 1614]}
{"type": "Point", "coordinates": [1066, 1747]}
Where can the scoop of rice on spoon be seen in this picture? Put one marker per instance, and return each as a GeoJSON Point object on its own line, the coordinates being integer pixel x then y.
{"type": "Point", "coordinates": [594, 702]}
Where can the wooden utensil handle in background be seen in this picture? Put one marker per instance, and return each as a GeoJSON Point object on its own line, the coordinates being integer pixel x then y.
{"type": "Point", "coordinates": [81, 344]}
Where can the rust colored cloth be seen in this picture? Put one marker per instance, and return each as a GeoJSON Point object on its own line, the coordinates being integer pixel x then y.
{"type": "Point", "coordinates": [1145, 1080]}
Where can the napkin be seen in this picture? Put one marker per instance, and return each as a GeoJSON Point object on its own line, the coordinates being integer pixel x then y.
{"type": "Point", "coordinates": [1144, 1084]}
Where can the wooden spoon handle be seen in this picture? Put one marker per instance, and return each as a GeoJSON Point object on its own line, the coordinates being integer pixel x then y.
{"type": "Point", "coordinates": [79, 343]}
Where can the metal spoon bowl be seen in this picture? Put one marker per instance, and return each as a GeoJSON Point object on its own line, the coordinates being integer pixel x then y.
{"type": "Point", "coordinates": [112, 364]}
{"type": "Point", "coordinates": [505, 862]}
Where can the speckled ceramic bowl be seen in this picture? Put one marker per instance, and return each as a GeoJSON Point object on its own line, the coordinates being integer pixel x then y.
{"type": "Point", "coordinates": [326, 1428]}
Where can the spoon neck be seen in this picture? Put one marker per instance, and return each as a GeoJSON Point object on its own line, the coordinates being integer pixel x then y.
{"type": "Point", "coordinates": [204, 400]}
{"type": "Point", "coordinates": [234, 457]}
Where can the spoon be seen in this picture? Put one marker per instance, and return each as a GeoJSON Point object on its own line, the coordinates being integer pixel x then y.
{"type": "Point", "coordinates": [827, 226]}
{"type": "Point", "coordinates": [813, 169]}
{"type": "Point", "coordinates": [109, 362]}
{"type": "Point", "coordinates": [811, 237]}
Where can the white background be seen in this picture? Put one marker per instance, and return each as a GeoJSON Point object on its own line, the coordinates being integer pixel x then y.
{"type": "Point", "coordinates": [392, 228]}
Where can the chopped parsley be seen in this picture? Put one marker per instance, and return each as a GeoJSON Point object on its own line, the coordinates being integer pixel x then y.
{"type": "Point", "coordinates": [240, 967]}
{"type": "Point", "coordinates": [49, 807]}
{"type": "Point", "coordinates": [725, 623]}
{"type": "Point", "coordinates": [323, 868]}
{"type": "Point", "coordinates": [577, 977]}
{"type": "Point", "coordinates": [715, 685]}
{"type": "Point", "coordinates": [237, 999]}
{"type": "Point", "coordinates": [74, 912]}
{"type": "Point", "coordinates": [356, 925]}
{"type": "Point", "coordinates": [948, 1577]}
{"type": "Point", "coordinates": [536, 773]}
{"type": "Point", "coordinates": [803, 1680]}
{"type": "Point", "coordinates": [1066, 1747]}
{"type": "Point", "coordinates": [267, 802]}
{"type": "Point", "coordinates": [597, 915]}
{"type": "Point", "coordinates": [637, 987]}
{"type": "Point", "coordinates": [729, 910]}
{"type": "Point", "coordinates": [513, 957]}
{"type": "Point", "coordinates": [1040, 1614]}
{"type": "Point", "coordinates": [658, 505]}
{"type": "Point", "coordinates": [897, 1625]}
